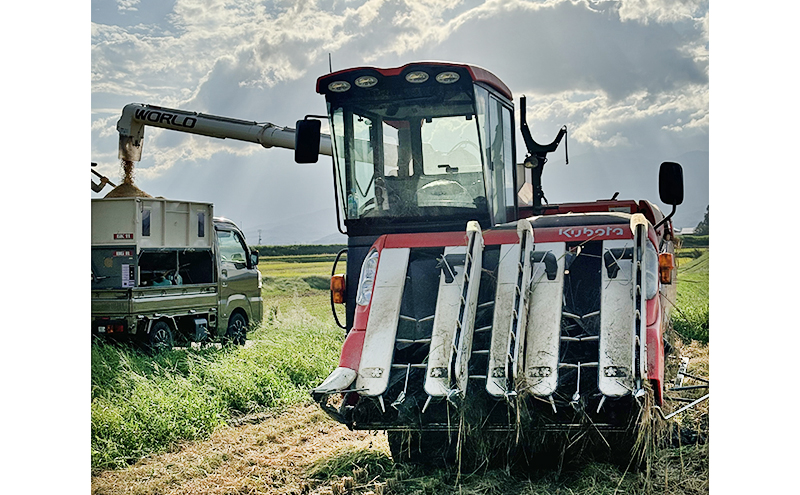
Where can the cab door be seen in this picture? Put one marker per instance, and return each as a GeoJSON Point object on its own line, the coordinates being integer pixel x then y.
{"type": "Point", "coordinates": [237, 281]}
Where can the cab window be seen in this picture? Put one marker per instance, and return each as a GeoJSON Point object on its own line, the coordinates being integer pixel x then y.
{"type": "Point", "coordinates": [231, 248]}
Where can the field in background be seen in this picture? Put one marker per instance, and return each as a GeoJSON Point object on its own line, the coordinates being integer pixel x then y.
{"type": "Point", "coordinates": [173, 416]}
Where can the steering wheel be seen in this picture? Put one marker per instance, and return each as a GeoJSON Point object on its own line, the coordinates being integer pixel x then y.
{"type": "Point", "coordinates": [465, 144]}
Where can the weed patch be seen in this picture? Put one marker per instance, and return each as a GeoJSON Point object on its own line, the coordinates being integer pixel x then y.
{"type": "Point", "coordinates": [143, 404]}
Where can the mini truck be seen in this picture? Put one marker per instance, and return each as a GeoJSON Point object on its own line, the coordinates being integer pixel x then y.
{"type": "Point", "coordinates": [164, 270]}
{"type": "Point", "coordinates": [469, 299]}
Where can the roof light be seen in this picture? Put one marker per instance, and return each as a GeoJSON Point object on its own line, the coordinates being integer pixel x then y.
{"type": "Point", "coordinates": [417, 77]}
{"type": "Point", "coordinates": [366, 81]}
{"type": "Point", "coordinates": [339, 86]}
{"type": "Point", "coordinates": [448, 77]}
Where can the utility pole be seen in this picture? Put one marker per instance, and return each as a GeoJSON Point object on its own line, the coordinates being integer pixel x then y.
{"type": "Point", "coordinates": [259, 237]}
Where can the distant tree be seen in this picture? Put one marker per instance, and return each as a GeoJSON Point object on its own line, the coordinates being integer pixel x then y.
{"type": "Point", "coordinates": [702, 227]}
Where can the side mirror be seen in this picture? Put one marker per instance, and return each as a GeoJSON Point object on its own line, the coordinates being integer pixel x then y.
{"type": "Point", "coordinates": [306, 141]}
{"type": "Point", "coordinates": [670, 183]}
{"type": "Point", "coordinates": [253, 258]}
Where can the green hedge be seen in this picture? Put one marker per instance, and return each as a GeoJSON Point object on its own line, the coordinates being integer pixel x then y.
{"type": "Point", "coordinates": [299, 249]}
{"type": "Point", "coordinates": [693, 240]}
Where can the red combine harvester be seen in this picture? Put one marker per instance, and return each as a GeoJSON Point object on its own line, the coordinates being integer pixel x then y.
{"type": "Point", "coordinates": [466, 304]}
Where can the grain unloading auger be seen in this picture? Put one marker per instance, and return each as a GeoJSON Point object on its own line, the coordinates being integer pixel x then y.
{"type": "Point", "coordinates": [469, 300]}
{"type": "Point", "coordinates": [136, 116]}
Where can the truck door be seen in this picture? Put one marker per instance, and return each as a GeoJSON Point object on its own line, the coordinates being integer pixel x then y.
{"type": "Point", "coordinates": [237, 282]}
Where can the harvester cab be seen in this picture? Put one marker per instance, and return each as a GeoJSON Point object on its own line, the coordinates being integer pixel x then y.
{"type": "Point", "coordinates": [463, 299]}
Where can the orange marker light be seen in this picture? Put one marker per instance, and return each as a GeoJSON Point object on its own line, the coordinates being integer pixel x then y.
{"type": "Point", "coordinates": [338, 288]}
{"type": "Point", "coordinates": [665, 266]}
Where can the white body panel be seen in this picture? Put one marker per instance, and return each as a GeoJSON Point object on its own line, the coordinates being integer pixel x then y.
{"type": "Point", "coordinates": [463, 341]}
{"type": "Point", "coordinates": [544, 324]}
{"type": "Point", "coordinates": [503, 319]}
{"type": "Point", "coordinates": [448, 303]}
{"type": "Point", "coordinates": [378, 350]}
{"type": "Point", "coordinates": [615, 374]}
{"type": "Point", "coordinates": [339, 380]}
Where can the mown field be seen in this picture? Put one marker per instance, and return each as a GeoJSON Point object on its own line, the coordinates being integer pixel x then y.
{"type": "Point", "coordinates": [240, 420]}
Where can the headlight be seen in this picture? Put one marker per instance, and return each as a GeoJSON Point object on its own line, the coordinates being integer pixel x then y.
{"type": "Point", "coordinates": [417, 77]}
{"type": "Point", "coordinates": [447, 77]}
{"type": "Point", "coordinates": [367, 278]}
{"type": "Point", "coordinates": [366, 81]}
{"type": "Point", "coordinates": [339, 86]}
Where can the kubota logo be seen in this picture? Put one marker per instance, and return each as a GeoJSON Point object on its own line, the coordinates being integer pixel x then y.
{"type": "Point", "coordinates": [591, 232]}
{"type": "Point", "coordinates": [165, 118]}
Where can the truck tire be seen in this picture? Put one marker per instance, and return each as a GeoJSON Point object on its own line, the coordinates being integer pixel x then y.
{"type": "Point", "coordinates": [160, 337]}
{"type": "Point", "coordinates": [237, 330]}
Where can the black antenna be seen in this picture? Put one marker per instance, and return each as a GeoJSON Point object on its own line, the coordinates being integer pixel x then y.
{"type": "Point", "coordinates": [330, 65]}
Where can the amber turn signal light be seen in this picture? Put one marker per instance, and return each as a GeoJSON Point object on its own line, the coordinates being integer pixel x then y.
{"type": "Point", "coordinates": [665, 266]}
{"type": "Point", "coordinates": [338, 288]}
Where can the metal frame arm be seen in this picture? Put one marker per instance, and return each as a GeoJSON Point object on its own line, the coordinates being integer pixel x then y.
{"type": "Point", "coordinates": [135, 116]}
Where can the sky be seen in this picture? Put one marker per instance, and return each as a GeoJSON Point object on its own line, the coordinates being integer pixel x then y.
{"type": "Point", "coordinates": [629, 78]}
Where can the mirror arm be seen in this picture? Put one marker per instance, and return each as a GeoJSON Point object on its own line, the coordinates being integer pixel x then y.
{"type": "Point", "coordinates": [664, 220]}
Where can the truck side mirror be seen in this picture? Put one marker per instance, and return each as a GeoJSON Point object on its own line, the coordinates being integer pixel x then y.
{"type": "Point", "coordinates": [306, 141]}
{"type": "Point", "coordinates": [254, 258]}
{"type": "Point", "coordinates": [670, 183]}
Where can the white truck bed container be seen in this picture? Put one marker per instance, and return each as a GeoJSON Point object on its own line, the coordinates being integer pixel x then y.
{"type": "Point", "coordinates": [152, 222]}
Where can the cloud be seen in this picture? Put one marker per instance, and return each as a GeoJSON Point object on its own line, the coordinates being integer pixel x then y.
{"type": "Point", "coordinates": [127, 5]}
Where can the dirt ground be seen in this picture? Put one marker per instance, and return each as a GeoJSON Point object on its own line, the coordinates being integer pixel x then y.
{"type": "Point", "coordinates": [270, 457]}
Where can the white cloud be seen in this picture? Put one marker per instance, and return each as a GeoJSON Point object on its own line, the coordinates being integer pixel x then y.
{"type": "Point", "coordinates": [127, 5]}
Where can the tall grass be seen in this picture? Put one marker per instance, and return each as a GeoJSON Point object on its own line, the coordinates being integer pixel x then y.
{"type": "Point", "coordinates": [143, 404]}
{"type": "Point", "coordinates": [691, 316]}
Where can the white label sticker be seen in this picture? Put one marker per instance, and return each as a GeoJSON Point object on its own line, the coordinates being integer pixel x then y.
{"type": "Point", "coordinates": [127, 276]}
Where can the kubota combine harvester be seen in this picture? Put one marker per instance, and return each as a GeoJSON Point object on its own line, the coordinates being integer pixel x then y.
{"type": "Point", "coordinates": [472, 305]}
{"type": "Point", "coordinates": [468, 307]}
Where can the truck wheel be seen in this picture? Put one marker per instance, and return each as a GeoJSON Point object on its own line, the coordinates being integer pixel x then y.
{"type": "Point", "coordinates": [237, 330]}
{"type": "Point", "coordinates": [160, 337]}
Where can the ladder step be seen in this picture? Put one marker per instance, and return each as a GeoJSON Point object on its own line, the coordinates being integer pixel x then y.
{"type": "Point", "coordinates": [412, 341]}
{"type": "Point", "coordinates": [404, 366]}
{"type": "Point", "coordinates": [421, 320]}
{"type": "Point", "coordinates": [477, 377]}
{"type": "Point", "coordinates": [588, 338]}
{"type": "Point", "coordinates": [575, 365]}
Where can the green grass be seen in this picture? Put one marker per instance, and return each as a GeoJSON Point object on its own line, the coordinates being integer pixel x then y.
{"type": "Point", "coordinates": [691, 317]}
{"type": "Point", "coordinates": [286, 269]}
{"type": "Point", "coordinates": [143, 404]}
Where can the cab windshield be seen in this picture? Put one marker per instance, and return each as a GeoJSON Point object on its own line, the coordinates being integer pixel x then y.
{"type": "Point", "coordinates": [411, 159]}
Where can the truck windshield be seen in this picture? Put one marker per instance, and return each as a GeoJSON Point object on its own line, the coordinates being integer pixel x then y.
{"type": "Point", "coordinates": [410, 160]}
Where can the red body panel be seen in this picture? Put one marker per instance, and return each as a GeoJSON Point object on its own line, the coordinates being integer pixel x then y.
{"type": "Point", "coordinates": [351, 350]}
{"type": "Point", "coordinates": [655, 352]}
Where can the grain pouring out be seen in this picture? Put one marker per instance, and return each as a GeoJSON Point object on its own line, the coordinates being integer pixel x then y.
{"type": "Point", "coordinates": [127, 189]}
